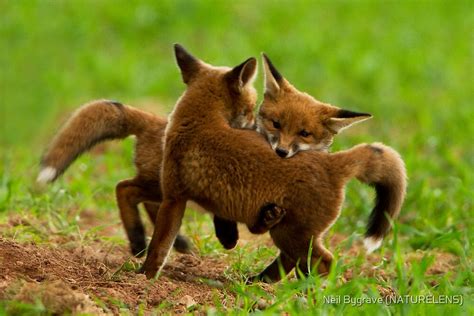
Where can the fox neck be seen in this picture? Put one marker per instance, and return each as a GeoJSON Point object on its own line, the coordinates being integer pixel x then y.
{"type": "Point", "coordinates": [198, 109]}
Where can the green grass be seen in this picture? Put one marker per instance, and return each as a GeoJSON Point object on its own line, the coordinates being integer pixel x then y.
{"type": "Point", "coordinates": [408, 63]}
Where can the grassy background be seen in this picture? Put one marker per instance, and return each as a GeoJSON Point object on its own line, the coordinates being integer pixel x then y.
{"type": "Point", "coordinates": [408, 63]}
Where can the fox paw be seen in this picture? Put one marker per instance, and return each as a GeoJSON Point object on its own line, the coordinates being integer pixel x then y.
{"type": "Point", "coordinates": [182, 245]}
{"type": "Point", "coordinates": [272, 215]}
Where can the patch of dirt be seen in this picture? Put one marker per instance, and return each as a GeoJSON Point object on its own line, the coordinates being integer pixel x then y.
{"type": "Point", "coordinates": [69, 277]}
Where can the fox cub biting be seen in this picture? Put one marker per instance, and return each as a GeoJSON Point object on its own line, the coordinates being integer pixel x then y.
{"type": "Point", "coordinates": [293, 121]}
{"type": "Point", "coordinates": [233, 172]}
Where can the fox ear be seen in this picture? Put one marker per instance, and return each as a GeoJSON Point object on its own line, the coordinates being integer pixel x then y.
{"type": "Point", "coordinates": [273, 79]}
{"type": "Point", "coordinates": [242, 75]}
{"type": "Point", "coordinates": [188, 64]}
{"type": "Point", "coordinates": [344, 119]}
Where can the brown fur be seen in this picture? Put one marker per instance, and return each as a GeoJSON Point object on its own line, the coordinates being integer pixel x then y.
{"type": "Point", "coordinates": [103, 120]}
{"type": "Point", "coordinates": [233, 173]}
{"type": "Point", "coordinates": [294, 121]}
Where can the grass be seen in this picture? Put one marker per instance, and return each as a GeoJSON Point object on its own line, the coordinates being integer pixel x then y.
{"type": "Point", "coordinates": [408, 63]}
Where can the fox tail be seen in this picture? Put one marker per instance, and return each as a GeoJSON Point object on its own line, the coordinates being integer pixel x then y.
{"type": "Point", "coordinates": [381, 167]}
{"type": "Point", "coordinates": [92, 123]}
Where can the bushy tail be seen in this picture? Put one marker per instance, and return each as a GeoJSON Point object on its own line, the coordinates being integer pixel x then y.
{"type": "Point", "coordinates": [381, 167]}
{"type": "Point", "coordinates": [91, 124]}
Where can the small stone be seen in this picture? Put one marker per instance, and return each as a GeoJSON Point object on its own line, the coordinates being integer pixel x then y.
{"type": "Point", "coordinates": [187, 301]}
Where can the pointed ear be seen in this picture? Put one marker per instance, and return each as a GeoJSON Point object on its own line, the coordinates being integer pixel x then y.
{"type": "Point", "coordinates": [188, 64]}
{"type": "Point", "coordinates": [242, 75]}
{"type": "Point", "coordinates": [344, 119]}
{"type": "Point", "coordinates": [273, 79]}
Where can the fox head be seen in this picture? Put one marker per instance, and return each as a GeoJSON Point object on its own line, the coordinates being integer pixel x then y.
{"type": "Point", "coordinates": [294, 121]}
{"type": "Point", "coordinates": [233, 87]}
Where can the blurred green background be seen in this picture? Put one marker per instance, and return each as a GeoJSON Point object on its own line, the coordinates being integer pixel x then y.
{"type": "Point", "coordinates": [408, 63]}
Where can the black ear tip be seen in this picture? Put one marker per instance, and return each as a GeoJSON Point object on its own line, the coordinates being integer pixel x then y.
{"type": "Point", "coordinates": [276, 74]}
{"type": "Point", "coordinates": [178, 48]}
{"type": "Point", "coordinates": [265, 57]}
{"type": "Point", "coordinates": [182, 54]}
{"type": "Point", "coordinates": [252, 61]}
{"type": "Point", "coordinates": [349, 114]}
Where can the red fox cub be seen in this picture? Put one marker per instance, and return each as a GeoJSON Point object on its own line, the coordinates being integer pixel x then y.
{"type": "Point", "coordinates": [293, 121]}
{"type": "Point", "coordinates": [233, 172]}
{"type": "Point", "coordinates": [103, 120]}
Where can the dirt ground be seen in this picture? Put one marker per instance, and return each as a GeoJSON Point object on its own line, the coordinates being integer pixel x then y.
{"type": "Point", "coordinates": [69, 277]}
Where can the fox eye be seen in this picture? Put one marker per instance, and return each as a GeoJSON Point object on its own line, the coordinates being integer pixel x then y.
{"type": "Point", "coordinates": [276, 124]}
{"type": "Point", "coordinates": [304, 133]}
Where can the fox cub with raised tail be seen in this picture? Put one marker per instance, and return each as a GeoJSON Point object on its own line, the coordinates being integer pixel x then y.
{"type": "Point", "coordinates": [233, 172]}
{"type": "Point", "coordinates": [293, 121]}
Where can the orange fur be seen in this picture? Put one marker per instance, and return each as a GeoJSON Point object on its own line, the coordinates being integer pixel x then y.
{"type": "Point", "coordinates": [232, 173]}
{"type": "Point", "coordinates": [293, 121]}
{"type": "Point", "coordinates": [102, 120]}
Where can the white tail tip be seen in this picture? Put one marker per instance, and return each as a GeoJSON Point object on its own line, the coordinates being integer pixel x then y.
{"type": "Point", "coordinates": [46, 175]}
{"type": "Point", "coordinates": [372, 243]}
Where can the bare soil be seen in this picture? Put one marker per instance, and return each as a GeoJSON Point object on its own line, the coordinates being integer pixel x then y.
{"type": "Point", "coordinates": [68, 276]}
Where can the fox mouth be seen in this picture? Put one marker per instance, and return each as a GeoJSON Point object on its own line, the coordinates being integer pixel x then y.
{"type": "Point", "coordinates": [283, 153]}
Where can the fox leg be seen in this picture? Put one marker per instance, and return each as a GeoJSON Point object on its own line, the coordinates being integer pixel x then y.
{"type": "Point", "coordinates": [295, 251]}
{"type": "Point", "coordinates": [151, 209]}
{"type": "Point", "coordinates": [129, 194]}
{"type": "Point", "coordinates": [167, 223]}
{"type": "Point", "coordinates": [226, 232]}
{"type": "Point", "coordinates": [321, 258]}
{"type": "Point", "coordinates": [181, 243]}
{"type": "Point", "coordinates": [283, 264]}
{"type": "Point", "coordinates": [269, 216]}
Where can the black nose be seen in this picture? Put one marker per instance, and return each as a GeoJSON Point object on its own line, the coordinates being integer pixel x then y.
{"type": "Point", "coordinates": [281, 152]}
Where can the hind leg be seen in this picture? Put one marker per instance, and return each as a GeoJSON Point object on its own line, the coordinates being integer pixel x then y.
{"type": "Point", "coordinates": [294, 238]}
{"type": "Point", "coordinates": [321, 259]}
{"type": "Point", "coordinates": [324, 265]}
{"type": "Point", "coordinates": [282, 265]}
{"type": "Point", "coordinates": [181, 243]}
{"type": "Point", "coordinates": [129, 195]}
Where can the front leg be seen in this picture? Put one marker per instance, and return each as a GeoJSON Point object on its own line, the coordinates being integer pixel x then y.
{"type": "Point", "coordinates": [226, 232]}
{"type": "Point", "coordinates": [270, 215]}
{"type": "Point", "coordinates": [167, 223]}
{"type": "Point", "coordinates": [181, 243]}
